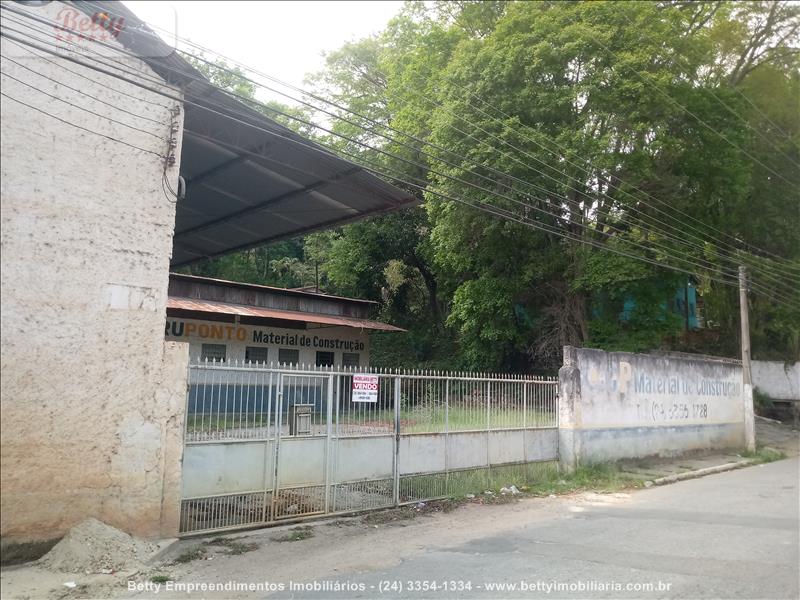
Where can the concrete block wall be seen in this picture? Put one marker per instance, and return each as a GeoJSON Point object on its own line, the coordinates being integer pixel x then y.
{"type": "Point", "coordinates": [616, 405]}
{"type": "Point", "coordinates": [92, 396]}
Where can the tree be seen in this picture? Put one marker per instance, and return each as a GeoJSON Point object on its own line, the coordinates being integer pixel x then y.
{"type": "Point", "coordinates": [624, 138]}
{"type": "Point", "coordinates": [589, 110]}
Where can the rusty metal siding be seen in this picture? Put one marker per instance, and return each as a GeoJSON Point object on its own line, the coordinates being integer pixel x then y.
{"type": "Point", "coordinates": [208, 306]}
{"type": "Point", "coordinates": [266, 297]}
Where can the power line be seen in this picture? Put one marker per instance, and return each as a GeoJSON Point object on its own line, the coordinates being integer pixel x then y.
{"type": "Point", "coordinates": [688, 112]}
{"type": "Point", "coordinates": [413, 137]}
{"type": "Point", "coordinates": [504, 214]}
{"type": "Point", "coordinates": [76, 73]}
{"type": "Point", "coordinates": [273, 133]}
{"type": "Point", "coordinates": [763, 114]}
{"type": "Point", "coordinates": [628, 194]}
{"type": "Point", "coordinates": [249, 124]}
{"type": "Point", "coordinates": [150, 133]}
{"type": "Point", "coordinates": [79, 51]}
{"type": "Point", "coordinates": [381, 125]}
{"type": "Point", "coordinates": [708, 266]}
{"type": "Point", "coordinates": [150, 34]}
{"type": "Point", "coordinates": [646, 194]}
{"type": "Point", "coordinates": [71, 124]}
{"type": "Point", "coordinates": [317, 108]}
{"type": "Point", "coordinates": [755, 129]}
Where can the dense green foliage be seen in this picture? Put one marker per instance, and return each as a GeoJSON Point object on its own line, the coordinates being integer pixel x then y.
{"type": "Point", "coordinates": [602, 122]}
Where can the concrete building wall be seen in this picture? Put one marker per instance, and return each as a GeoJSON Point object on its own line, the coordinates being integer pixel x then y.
{"type": "Point", "coordinates": [780, 381]}
{"type": "Point", "coordinates": [620, 405]}
{"type": "Point", "coordinates": [237, 338]}
{"type": "Point", "coordinates": [92, 397]}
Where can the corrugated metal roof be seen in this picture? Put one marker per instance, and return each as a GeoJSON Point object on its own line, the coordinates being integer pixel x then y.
{"type": "Point", "coordinates": [267, 288]}
{"type": "Point", "coordinates": [249, 180]}
{"type": "Point", "coordinates": [270, 313]}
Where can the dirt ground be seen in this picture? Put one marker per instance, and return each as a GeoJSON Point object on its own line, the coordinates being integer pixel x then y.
{"type": "Point", "coordinates": [375, 540]}
{"type": "Point", "coordinates": [378, 540]}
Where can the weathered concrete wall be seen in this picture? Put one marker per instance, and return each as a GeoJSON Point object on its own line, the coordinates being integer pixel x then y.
{"type": "Point", "coordinates": [778, 380]}
{"type": "Point", "coordinates": [90, 390]}
{"type": "Point", "coordinates": [620, 405]}
{"type": "Point", "coordinates": [238, 337]}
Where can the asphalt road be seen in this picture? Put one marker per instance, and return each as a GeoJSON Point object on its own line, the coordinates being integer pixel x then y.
{"type": "Point", "coordinates": [732, 535]}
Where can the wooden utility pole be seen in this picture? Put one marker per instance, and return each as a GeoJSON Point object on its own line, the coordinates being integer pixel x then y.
{"type": "Point", "coordinates": [747, 378]}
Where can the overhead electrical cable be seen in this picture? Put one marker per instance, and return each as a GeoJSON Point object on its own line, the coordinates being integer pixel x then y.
{"type": "Point", "coordinates": [661, 92]}
{"type": "Point", "coordinates": [66, 122]}
{"type": "Point", "coordinates": [153, 35]}
{"type": "Point", "coordinates": [311, 124]}
{"type": "Point", "coordinates": [274, 79]}
{"type": "Point", "coordinates": [318, 127]}
{"type": "Point", "coordinates": [707, 266]}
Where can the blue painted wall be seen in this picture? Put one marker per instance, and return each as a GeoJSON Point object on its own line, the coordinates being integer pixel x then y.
{"type": "Point", "coordinates": [678, 305]}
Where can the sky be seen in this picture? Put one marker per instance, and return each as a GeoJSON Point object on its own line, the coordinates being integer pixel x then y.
{"type": "Point", "coordinates": [283, 39]}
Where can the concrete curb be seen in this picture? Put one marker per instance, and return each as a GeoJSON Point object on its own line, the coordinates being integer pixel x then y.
{"type": "Point", "coordinates": [165, 547]}
{"type": "Point", "coordinates": [702, 472]}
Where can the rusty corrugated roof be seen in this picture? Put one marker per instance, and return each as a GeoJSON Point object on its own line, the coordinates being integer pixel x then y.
{"type": "Point", "coordinates": [224, 308]}
{"type": "Point", "coordinates": [267, 288]}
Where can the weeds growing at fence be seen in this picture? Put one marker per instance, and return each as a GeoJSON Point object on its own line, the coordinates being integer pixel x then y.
{"type": "Point", "coordinates": [764, 454]}
{"type": "Point", "coordinates": [233, 547]}
{"type": "Point", "coordinates": [536, 479]}
{"type": "Point", "coordinates": [194, 553]}
{"type": "Point", "coordinates": [601, 477]}
{"type": "Point", "coordinates": [296, 534]}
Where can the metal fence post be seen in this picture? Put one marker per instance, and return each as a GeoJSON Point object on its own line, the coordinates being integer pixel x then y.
{"type": "Point", "coordinates": [278, 433]}
{"type": "Point", "coordinates": [446, 435]}
{"type": "Point", "coordinates": [396, 462]}
{"type": "Point", "coordinates": [269, 458]}
{"type": "Point", "coordinates": [524, 404]}
{"type": "Point", "coordinates": [488, 435]}
{"type": "Point", "coordinates": [328, 432]}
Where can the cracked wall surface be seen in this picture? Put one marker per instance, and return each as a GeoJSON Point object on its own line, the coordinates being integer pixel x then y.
{"type": "Point", "coordinates": [92, 396]}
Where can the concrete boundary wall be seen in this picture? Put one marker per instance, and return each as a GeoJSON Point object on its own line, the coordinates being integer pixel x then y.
{"type": "Point", "coordinates": [778, 380]}
{"type": "Point", "coordinates": [616, 405]}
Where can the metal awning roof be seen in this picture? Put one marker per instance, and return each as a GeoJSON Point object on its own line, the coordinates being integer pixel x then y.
{"type": "Point", "coordinates": [249, 180]}
{"type": "Point", "coordinates": [246, 187]}
{"type": "Point", "coordinates": [208, 306]}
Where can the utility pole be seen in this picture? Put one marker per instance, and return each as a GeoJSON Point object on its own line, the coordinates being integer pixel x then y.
{"type": "Point", "coordinates": [747, 379]}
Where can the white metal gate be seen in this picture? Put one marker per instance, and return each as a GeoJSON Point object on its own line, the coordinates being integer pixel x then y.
{"type": "Point", "coordinates": [265, 444]}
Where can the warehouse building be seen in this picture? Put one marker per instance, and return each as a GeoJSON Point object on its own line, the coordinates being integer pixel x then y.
{"type": "Point", "coordinates": [242, 322]}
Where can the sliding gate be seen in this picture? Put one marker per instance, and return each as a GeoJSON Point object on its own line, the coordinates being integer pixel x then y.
{"type": "Point", "coordinates": [266, 444]}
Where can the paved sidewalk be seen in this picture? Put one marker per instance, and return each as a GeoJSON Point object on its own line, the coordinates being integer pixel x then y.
{"type": "Point", "coordinates": [782, 437]}
{"type": "Point", "coordinates": [777, 436]}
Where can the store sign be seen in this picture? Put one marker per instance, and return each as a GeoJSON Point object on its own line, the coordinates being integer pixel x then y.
{"type": "Point", "coordinates": [365, 388]}
{"type": "Point", "coordinates": [215, 331]}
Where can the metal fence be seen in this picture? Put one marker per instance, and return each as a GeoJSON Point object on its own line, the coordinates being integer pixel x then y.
{"type": "Point", "coordinates": [266, 443]}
